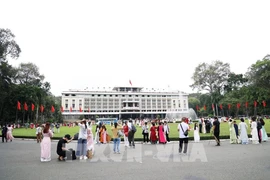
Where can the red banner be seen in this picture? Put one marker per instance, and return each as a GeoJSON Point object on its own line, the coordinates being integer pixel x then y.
{"type": "Point", "coordinates": [25, 107]}
{"type": "Point", "coordinates": [32, 107]}
{"type": "Point", "coordinates": [52, 109]}
{"type": "Point", "coordinates": [197, 107]}
{"type": "Point", "coordinates": [213, 107]}
{"type": "Point", "coordinates": [220, 106]}
{"type": "Point", "coordinates": [255, 103]}
{"type": "Point", "coordinates": [88, 109]}
{"type": "Point", "coordinates": [204, 107]}
{"type": "Point", "coordinates": [18, 105]}
{"type": "Point", "coordinates": [80, 109]}
{"type": "Point", "coordinates": [62, 109]}
{"type": "Point", "coordinates": [70, 109]}
{"type": "Point", "coordinates": [264, 103]}
{"type": "Point", "coordinates": [41, 108]}
{"type": "Point", "coordinates": [246, 104]}
{"type": "Point", "coordinates": [229, 106]}
{"type": "Point", "coordinates": [238, 105]}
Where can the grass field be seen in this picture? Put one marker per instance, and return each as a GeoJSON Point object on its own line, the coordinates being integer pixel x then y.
{"type": "Point", "coordinates": [224, 131]}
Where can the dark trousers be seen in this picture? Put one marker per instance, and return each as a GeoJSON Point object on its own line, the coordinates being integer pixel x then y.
{"type": "Point", "coordinates": [167, 137]}
{"type": "Point", "coordinates": [216, 134]}
{"type": "Point", "coordinates": [181, 140]}
{"type": "Point", "coordinates": [131, 138]}
{"type": "Point", "coordinates": [146, 136]}
{"type": "Point", "coordinates": [4, 137]}
{"type": "Point", "coordinates": [200, 128]}
{"type": "Point", "coordinates": [259, 135]}
{"type": "Point", "coordinates": [62, 153]}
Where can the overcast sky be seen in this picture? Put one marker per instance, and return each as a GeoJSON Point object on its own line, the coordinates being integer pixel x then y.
{"type": "Point", "coordinates": [153, 43]}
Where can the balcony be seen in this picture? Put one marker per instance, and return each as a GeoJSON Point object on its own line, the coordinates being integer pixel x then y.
{"type": "Point", "coordinates": [131, 108]}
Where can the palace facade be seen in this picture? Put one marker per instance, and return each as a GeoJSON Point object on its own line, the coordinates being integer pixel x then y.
{"type": "Point", "coordinates": [124, 103]}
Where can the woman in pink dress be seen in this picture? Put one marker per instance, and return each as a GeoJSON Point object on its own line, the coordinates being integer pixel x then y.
{"type": "Point", "coordinates": [9, 133]}
{"type": "Point", "coordinates": [46, 144]}
{"type": "Point", "coordinates": [161, 136]}
{"type": "Point", "coordinates": [90, 139]}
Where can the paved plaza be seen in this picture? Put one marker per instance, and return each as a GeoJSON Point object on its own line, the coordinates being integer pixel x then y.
{"type": "Point", "coordinates": [20, 159]}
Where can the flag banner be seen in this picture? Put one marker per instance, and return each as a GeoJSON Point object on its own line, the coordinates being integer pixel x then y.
{"type": "Point", "coordinates": [246, 104]}
{"type": "Point", "coordinates": [238, 105]}
{"type": "Point", "coordinates": [255, 103]}
{"type": "Point", "coordinates": [197, 107]}
{"type": "Point", "coordinates": [41, 108]}
{"type": "Point", "coordinates": [52, 109]}
{"type": "Point", "coordinates": [264, 103]}
{"type": "Point", "coordinates": [25, 107]}
{"type": "Point", "coordinates": [18, 105]}
{"type": "Point", "coordinates": [88, 109]}
{"type": "Point", "coordinates": [229, 106]}
{"type": "Point", "coordinates": [70, 109]}
{"type": "Point", "coordinates": [204, 107]}
{"type": "Point", "coordinates": [62, 109]}
{"type": "Point", "coordinates": [80, 109]}
{"type": "Point", "coordinates": [213, 107]}
{"type": "Point", "coordinates": [130, 82]}
{"type": "Point", "coordinates": [220, 106]}
{"type": "Point", "coordinates": [32, 107]}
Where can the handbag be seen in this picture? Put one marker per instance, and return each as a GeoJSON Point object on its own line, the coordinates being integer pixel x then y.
{"type": "Point", "coordinates": [186, 132]}
{"type": "Point", "coordinates": [120, 133]}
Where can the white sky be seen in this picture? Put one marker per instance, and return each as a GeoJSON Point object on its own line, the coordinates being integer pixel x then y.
{"type": "Point", "coordinates": [153, 43]}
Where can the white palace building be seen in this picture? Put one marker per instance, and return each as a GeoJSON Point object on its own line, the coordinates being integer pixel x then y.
{"type": "Point", "coordinates": [124, 103]}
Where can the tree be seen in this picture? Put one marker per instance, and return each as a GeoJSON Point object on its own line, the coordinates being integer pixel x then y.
{"type": "Point", "coordinates": [259, 73]}
{"type": "Point", "coordinates": [28, 73]}
{"type": "Point", "coordinates": [8, 46]}
{"type": "Point", "coordinates": [211, 77]}
{"type": "Point", "coordinates": [234, 82]}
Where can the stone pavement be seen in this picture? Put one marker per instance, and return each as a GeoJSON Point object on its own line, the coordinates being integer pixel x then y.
{"type": "Point", "coordinates": [20, 159]}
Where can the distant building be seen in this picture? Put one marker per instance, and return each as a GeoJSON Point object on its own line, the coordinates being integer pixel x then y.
{"type": "Point", "coordinates": [124, 103]}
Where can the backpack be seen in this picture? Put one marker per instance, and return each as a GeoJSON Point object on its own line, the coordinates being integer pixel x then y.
{"type": "Point", "coordinates": [133, 128]}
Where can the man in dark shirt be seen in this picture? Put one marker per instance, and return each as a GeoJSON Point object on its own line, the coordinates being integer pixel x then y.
{"type": "Point", "coordinates": [4, 133]}
{"type": "Point", "coordinates": [61, 147]}
{"type": "Point", "coordinates": [215, 130]}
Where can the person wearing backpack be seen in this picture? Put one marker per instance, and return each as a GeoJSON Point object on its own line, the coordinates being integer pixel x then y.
{"type": "Point", "coordinates": [131, 132]}
{"type": "Point", "coordinates": [183, 129]}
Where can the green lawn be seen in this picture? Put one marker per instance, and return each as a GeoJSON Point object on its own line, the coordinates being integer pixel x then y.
{"type": "Point", "coordinates": [224, 131]}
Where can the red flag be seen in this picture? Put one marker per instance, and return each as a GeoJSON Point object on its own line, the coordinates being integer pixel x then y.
{"type": "Point", "coordinates": [220, 106]}
{"type": "Point", "coordinates": [246, 104]}
{"type": "Point", "coordinates": [25, 107]}
{"type": "Point", "coordinates": [70, 109]}
{"type": "Point", "coordinates": [197, 107]}
{"type": "Point", "coordinates": [238, 105]}
{"type": "Point", "coordinates": [264, 103]}
{"type": "Point", "coordinates": [213, 107]}
{"type": "Point", "coordinates": [130, 82]}
{"type": "Point", "coordinates": [88, 109]}
{"type": "Point", "coordinates": [32, 107]}
{"type": "Point", "coordinates": [80, 109]}
{"type": "Point", "coordinates": [62, 109]}
{"type": "Point", "coordinates": [255, 103]}
{"type": "Point", "coordinates": [229, 106]}
{"type": "Point", "coordinates": [52, 109]}
{"type": "Point", "coordinates": [41, 108]}
{"type": "Point", "coordinates": [204, 107]}
{"type": "Point", "coordinates": [18, 105]}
